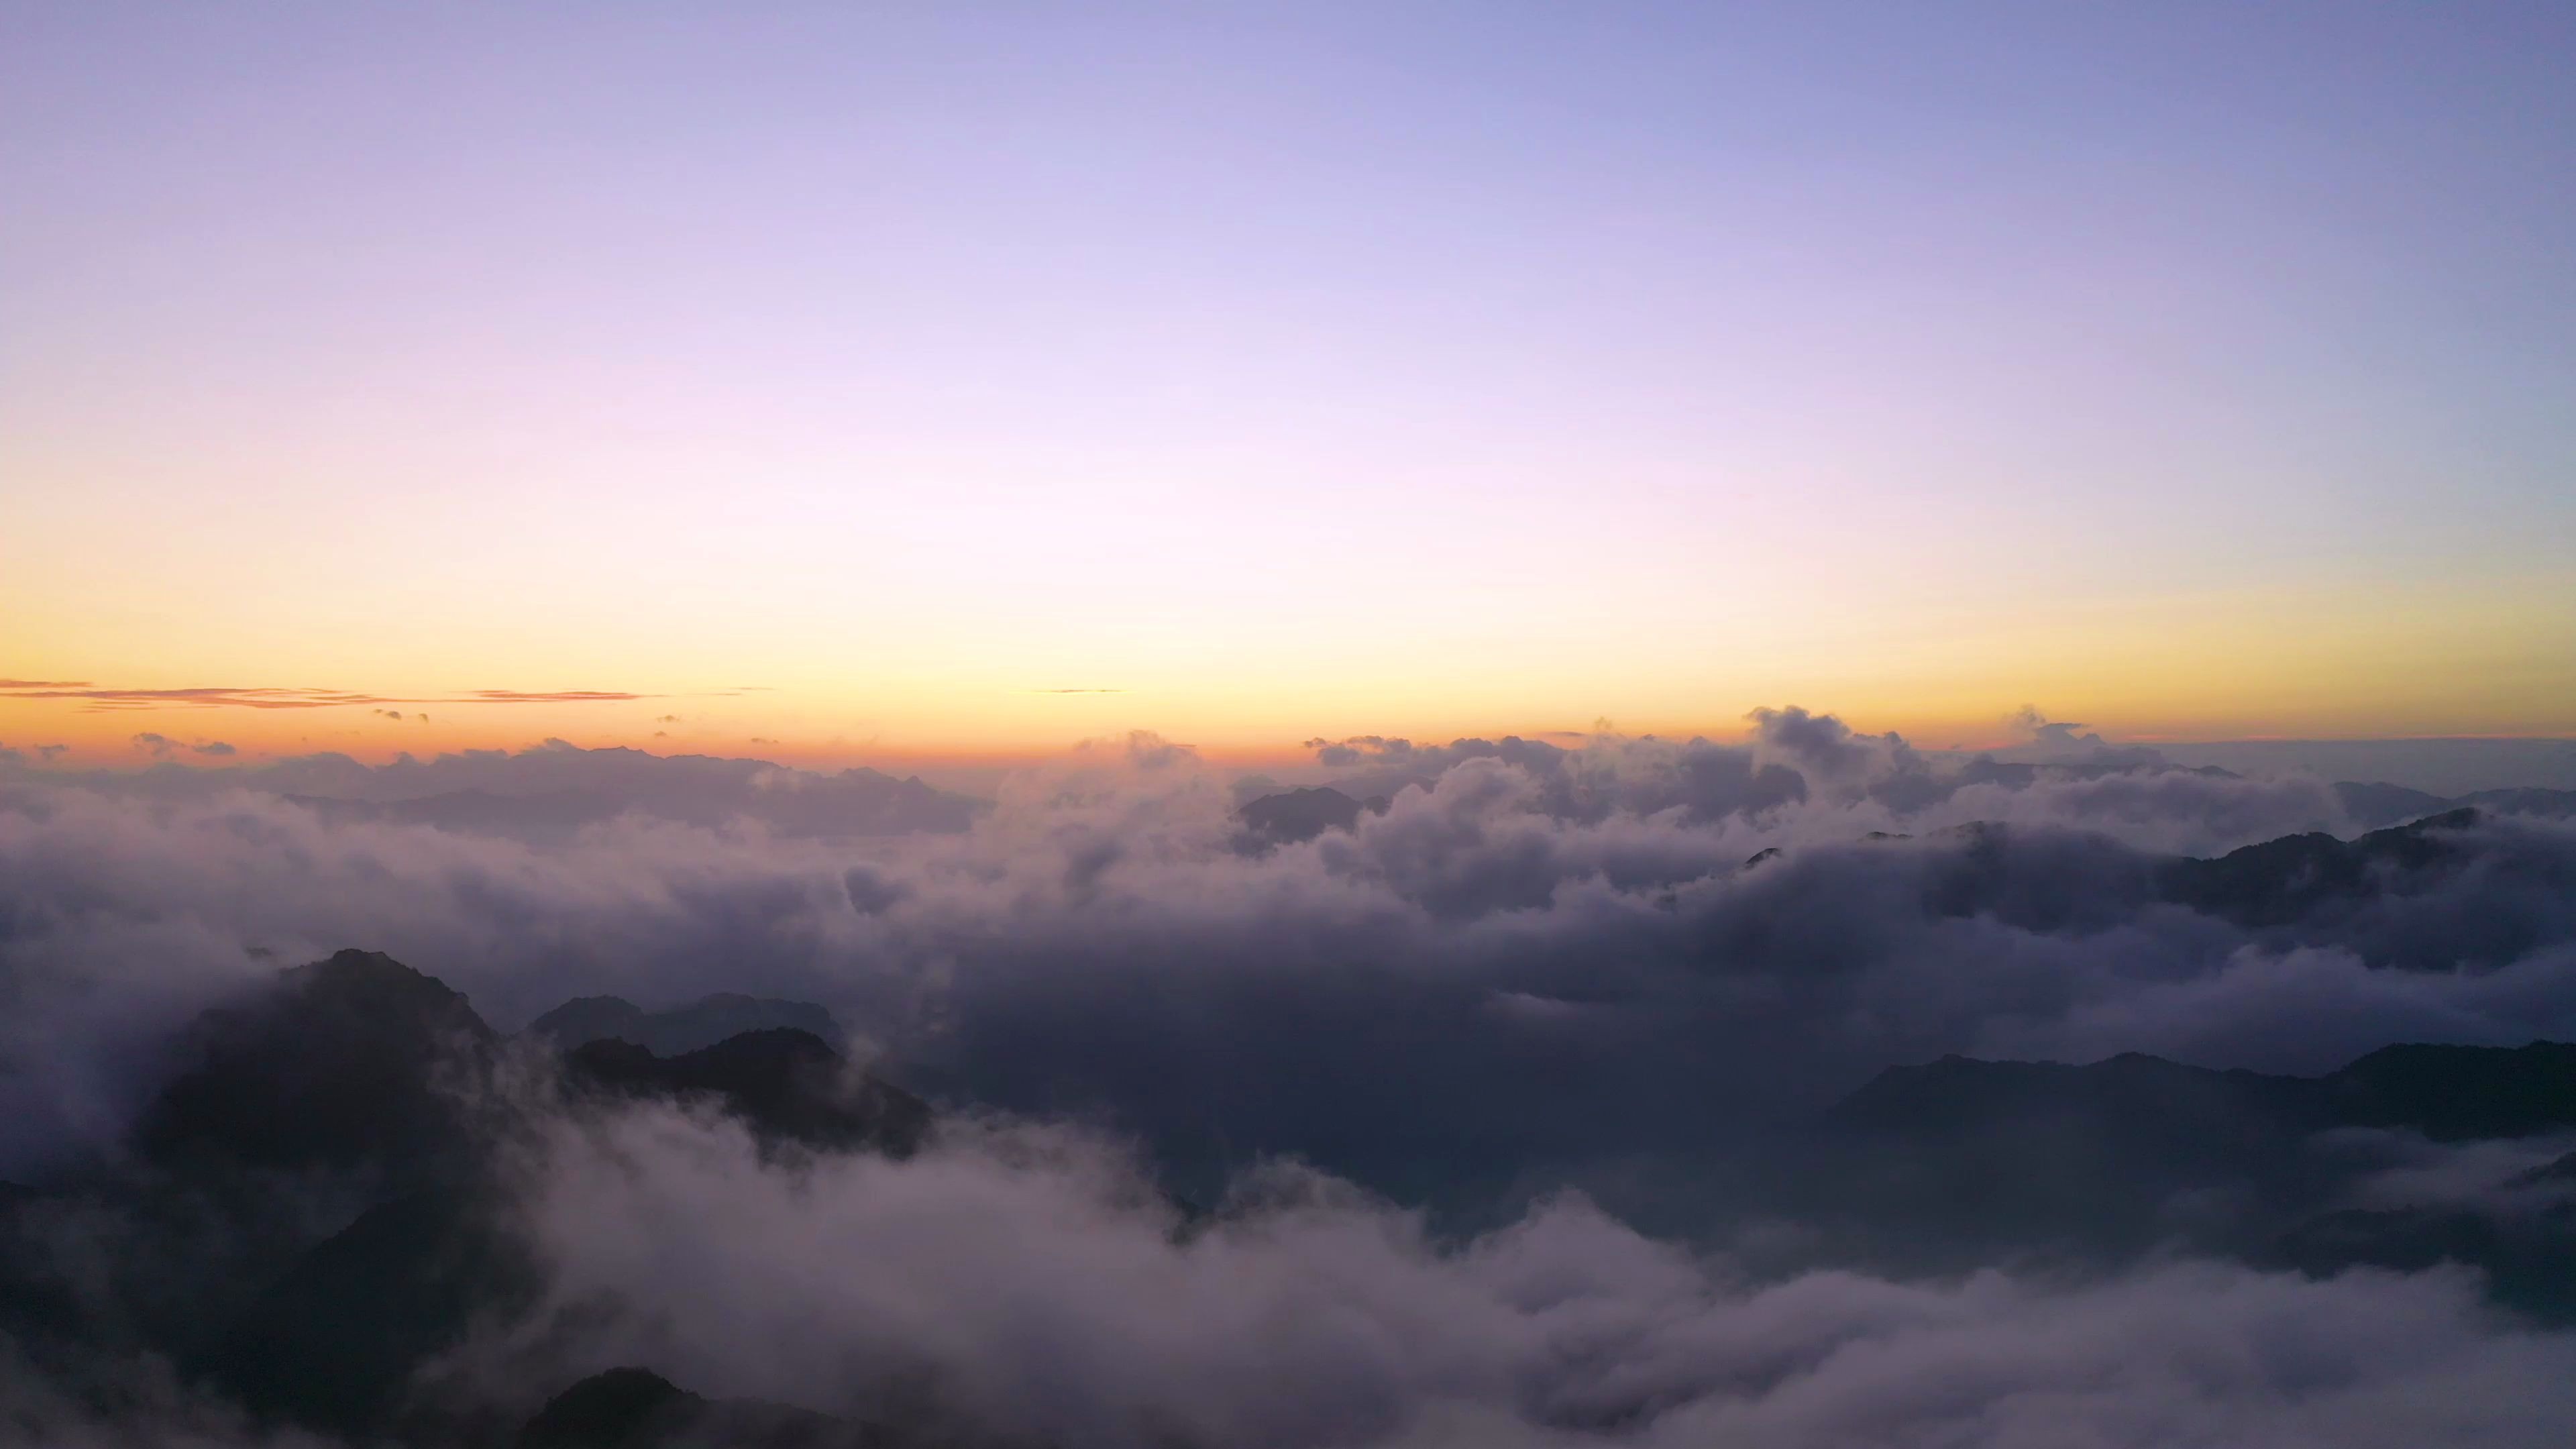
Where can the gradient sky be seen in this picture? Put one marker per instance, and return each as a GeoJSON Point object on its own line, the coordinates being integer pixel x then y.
{"type": "Point", "coordinates": [2198, 371]}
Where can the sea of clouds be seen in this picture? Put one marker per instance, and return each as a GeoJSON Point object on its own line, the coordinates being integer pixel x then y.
{"type": "Point", "coordinates": [1534, 970]}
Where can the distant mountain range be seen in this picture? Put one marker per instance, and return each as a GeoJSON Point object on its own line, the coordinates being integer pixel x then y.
{"type": "Point", "coordinates": [2445, 1093]}
{"type": "Point", "coordinates": [679, 1029]}
{"type": "Point", "coordinates": [2374, 805]}
{"type": "Point", "coordinates": [1293, 816]}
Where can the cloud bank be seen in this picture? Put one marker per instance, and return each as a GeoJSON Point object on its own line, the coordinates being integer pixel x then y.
{"type": "Point", "coordinates": [1440, 1127]}
{"type": "Point", "coordinates": [1535, 962]}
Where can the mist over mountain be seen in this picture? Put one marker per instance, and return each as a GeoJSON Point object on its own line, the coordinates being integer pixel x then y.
{"type": "Point", "coordinates": [1814, 1089]}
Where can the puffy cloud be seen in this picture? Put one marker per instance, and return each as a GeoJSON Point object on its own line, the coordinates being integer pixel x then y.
{"type": "Point", "coordinates": [1795, 756]}
{"type": "Point", "coordinates": [1615, 966]}
{"type": "Point", "coordinates": [1541, 961]}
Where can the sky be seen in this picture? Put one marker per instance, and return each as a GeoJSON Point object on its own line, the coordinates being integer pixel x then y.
{"type": "Point", "coordinates": [934, 381]}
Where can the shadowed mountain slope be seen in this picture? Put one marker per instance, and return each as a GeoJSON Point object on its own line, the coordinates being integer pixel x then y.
{"type": "Point", "coordinates": [333, 1343]}
{"type": "Point", "coordinates": [335, 1066]}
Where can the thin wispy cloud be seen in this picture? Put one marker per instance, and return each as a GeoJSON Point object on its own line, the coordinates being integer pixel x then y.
{"type": "Point", "coordinates": [262, 697]}
{"type": "Point", "coordinates": [543, 696]}
{"type": "Point", "coordinates": [273, 697]}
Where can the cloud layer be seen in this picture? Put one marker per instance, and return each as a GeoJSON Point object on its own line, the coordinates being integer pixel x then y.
{"type": "Point", "coordinates": [1469, 1089]}
{"type": "Point", "coordinates": [1534, 959]}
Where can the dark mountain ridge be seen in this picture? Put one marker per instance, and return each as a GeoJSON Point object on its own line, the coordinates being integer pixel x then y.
{"type": "Point", "coordinates": [2445, 1092]}
{"type": "Point", "coordinates": [2373, 804]}
{"type": "Point", "coordinates": [2276, 882]}
{"type": "Point", "coordinates": [674, 1030]}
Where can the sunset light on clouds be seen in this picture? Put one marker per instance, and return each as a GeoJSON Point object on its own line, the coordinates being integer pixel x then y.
{"type": "Point", "coordinates": [1435, 724]}
{"type": "Point", "coordinates": [977, 382]}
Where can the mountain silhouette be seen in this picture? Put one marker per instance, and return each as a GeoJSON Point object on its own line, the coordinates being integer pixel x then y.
{"type": "Point", "coordinates": [2282, 881]}
{"type": "Point", "coordinates": [336, 1065]}
{"type": "Point", "coordinates": [2447, 1093]}
{"type": "Point", "coordinates": [786, 1084]}
{"type": "Point", "coordinates": [635, 1408]}
{"type": "Point", "coordinates": [1294, 816]}
{"type": "Point", "coordinates": [2374, 804]}
{"type": "Point", "coordinates": [678, 1029]}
